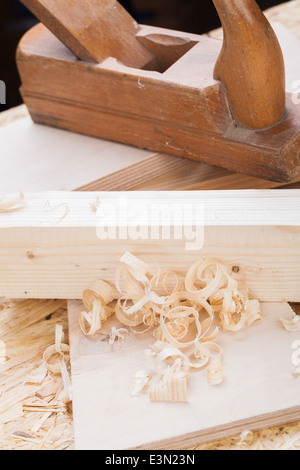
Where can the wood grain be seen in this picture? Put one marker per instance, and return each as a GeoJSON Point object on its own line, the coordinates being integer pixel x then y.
{"type": "Point", "coordinates": [14, 156]}
{"type": "Point", "coordinates": [251, 65]}
{"type": "Point", "coordinates": [257, 362]}
{"type": "Point", "coordinates": [93, 31]}
{"type": "Point", "coordinates": [53, 247]}
{"type": "Point", "coordinates": [165, 173]}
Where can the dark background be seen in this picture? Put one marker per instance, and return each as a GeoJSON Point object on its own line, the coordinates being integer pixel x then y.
{"type": "Point", "coordinates": [195, 16]}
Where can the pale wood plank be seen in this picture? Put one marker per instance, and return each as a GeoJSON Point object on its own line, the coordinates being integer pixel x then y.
{"type": "Point", "coordinates": [38, 158]}
{"type": "Point", "coordinates": [50, 248]}
{"type": "Point", "coordinates": [258, 362]}
{"type": "Point", "coordinates": [144, 171]}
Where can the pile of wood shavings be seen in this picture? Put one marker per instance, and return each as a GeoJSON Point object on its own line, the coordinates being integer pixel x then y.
{"type": "Point", "coordinates": [33, 416]}
{"type": "Point", "coordinates": [185, 314]}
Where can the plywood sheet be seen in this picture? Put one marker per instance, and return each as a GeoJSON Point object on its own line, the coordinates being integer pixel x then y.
{"type": "Point", "coordinates": [259, 390]}
{"type": "Point", "coordinates": [39, 158]}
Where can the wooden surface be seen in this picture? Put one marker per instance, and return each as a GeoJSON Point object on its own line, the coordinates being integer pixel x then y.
{"type": "Point", "coordinates": [94, 30]}
{"type": "Point", "coordinates": [251, 65]}
{"type": "Point", "coordinates": [52, 246]}
{"type": "Point", "coordinates": [31, 415]}
{"type": "Point", "coordinates": [192, 120]}
{"type": "Point", "coordinates": [52, 432]}
{"type": "Point", "coordinates": [258, 362]}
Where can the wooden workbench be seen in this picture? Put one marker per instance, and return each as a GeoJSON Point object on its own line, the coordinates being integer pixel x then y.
{"type": "Point", "coordinates": [27, 328]}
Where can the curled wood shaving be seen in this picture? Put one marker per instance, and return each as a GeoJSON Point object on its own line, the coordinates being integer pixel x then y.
{"type": "Point", "coordinates": [96, 299]}
{"type": "Point", "coordinates": [58, 351]}
{"type": "Point", "coordinates": [182, 311]}
{"type": "Point", "coordinates": [291, 324]}
{"type": "Point", "coordinates": [63, 205]}
{"type": "Point", "coordinates": [215, 373]}
{"type": "Point", "coordinates": [59, 337]}
{"type": "Point", "coordinates": [3, 357]}
{"type": "Point", "coordinates": [67, 394]}
{"type": "Point", "coordinates": [139, 382]}
{"type": "Point", "coordinates": [95, 205]}
{"type": "Point", "coordinates": [246, 438]}
{"type": "Point", "coordinates": [12, 204]}
{"type": "Point", "coordinates": [50, 353]}
{"type": "Point", "coordinates": [117, 334]}
{"type": "Point", "coordinates": [137, 268]}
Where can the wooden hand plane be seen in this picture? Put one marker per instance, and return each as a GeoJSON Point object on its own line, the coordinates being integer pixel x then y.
{"type": "Point", "coordinates": [90, 68]}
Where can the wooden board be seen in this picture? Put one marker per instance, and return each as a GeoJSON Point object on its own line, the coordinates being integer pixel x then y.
{"type": "Point", "coordinates": [167, 173]}
{"type": "Point", "coordinates": [42, 158]}
{"type": "Point", "coordinates": [51, 247]}
{"type": "Point", "coordinates": [259, 390]}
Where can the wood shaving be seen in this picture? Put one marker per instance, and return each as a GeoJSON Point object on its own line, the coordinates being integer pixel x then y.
{"type": "Point", "coordinates": [139, 382]}
{"type": "Point", "coordinates": [95, 205]}
{"type": "Point", "coordinates": [37, 376]}
{"type": "Point", "coordinates": [117, 334]}
{"type": "Point", "coordinates": [11, 204]}
{"type": "Point", "coordinates": [3, 357]}
{"type": "Point", "coordinates": [173, 390]}
{"type": "Point", "coordinates": [96, 298]}
{"type": "Point", "coordinates": [246, 438]}
{"type": "Point", "coordinates": [172, 387]}
{"type": "Point", "coordinates": [37, 418]}
{"type": "Point", "coordinates": [67, 394]}
{"type": "Point", "coordinates": [51, 353]}
{"type": "Point", "coordinates": [59, 350]}
{"type": "Point", "coordinates": [215, 373]}
{"type": "Point", "coordinates": [64, 206]}
{"type": "Point", "coordinates": [182, 311]}
{"type": "Point", "coordinates": [291, 324]}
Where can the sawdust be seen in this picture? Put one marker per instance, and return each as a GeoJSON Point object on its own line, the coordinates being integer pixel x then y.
{"type": "Point", "coordinates": [32, 415]}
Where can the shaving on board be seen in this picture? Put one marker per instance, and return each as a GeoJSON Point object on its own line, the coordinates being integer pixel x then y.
{"type": "Point", "coordinates": [117, 334]}
{"type": "Point", "coordinates": [291, 324]}
{"type": "Point", "coordinates": [139, 382]}
{"type": "Point", "coordinates": [54, 359]}
{"type": "Point", "coordinates": [11, 204]}
{"type": "Point", "coordinates": [96, 298]}
{"type": "Point", "coordinates": [184, 312]}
